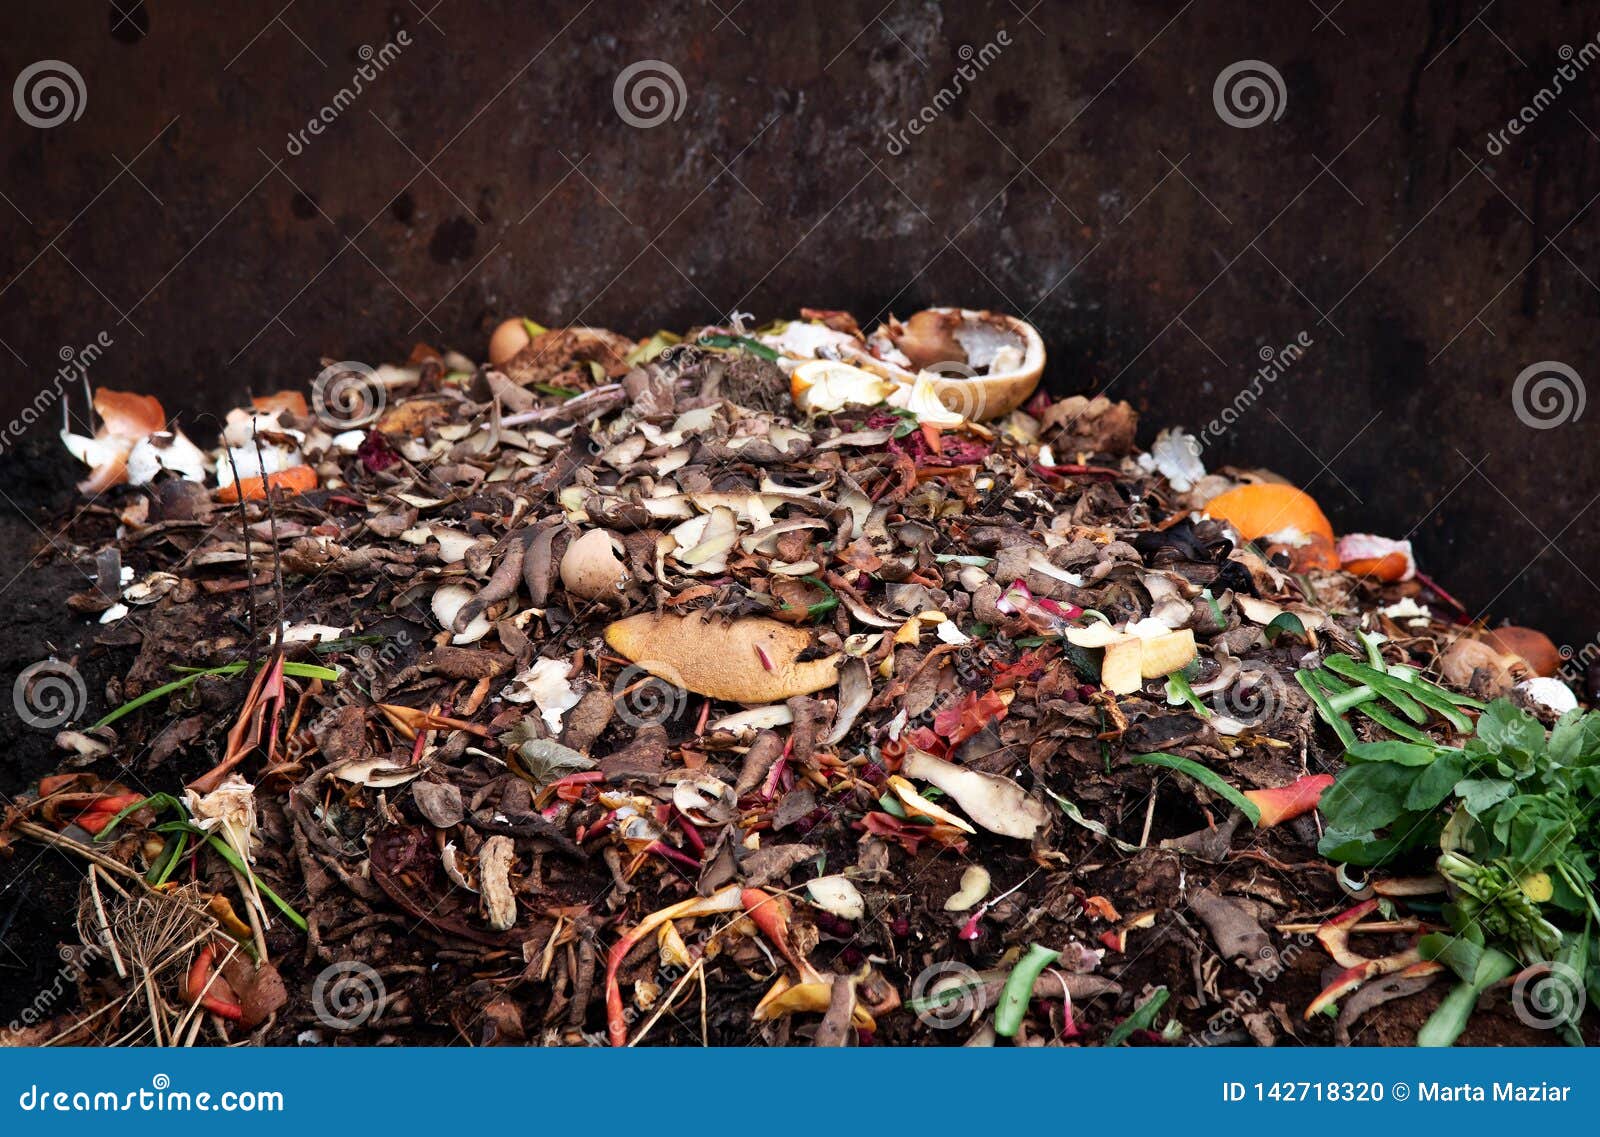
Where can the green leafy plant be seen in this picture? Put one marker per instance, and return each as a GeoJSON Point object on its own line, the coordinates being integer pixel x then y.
{"type": "Point", "coordinates": [1508, 820]}
{"type": "Point", "coordinates": [1392, 695]}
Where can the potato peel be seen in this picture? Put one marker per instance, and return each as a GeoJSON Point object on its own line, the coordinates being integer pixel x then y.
{"type": "Point", "coordinates": [750, 660]}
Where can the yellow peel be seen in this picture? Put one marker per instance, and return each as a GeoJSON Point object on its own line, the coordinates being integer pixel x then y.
{"type": "Point", "coordinates": [1165, 654]}
{"type": "Point", "coordinates": [1120, 670]}
{"type": "Point", "coordinates": [922, 807]}
{"type": "Point", "coordinates": [719, 659]}
{"type": "Point", "coordinates": [812, 998]}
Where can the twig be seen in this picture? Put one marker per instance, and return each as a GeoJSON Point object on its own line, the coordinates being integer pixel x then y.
{"type": "Point", "coordinates": [253, 909]}
{"type": "Point", "coordinates": [244, 530]}
{"type": "Point", "coordinates": [1149, 818]}
{"type": "Point", "coordinates": [199, 997]}
{"type": "Point", "coordinates": [55, 1039]}
{"type": "Point", "coordinates": [50, 837]}
{"type": "Point", "coordinates": [666, 1004]}
{"type": "Point", "coordinates": [104, 925]}
{"type": "Point", "coordinates": [155, 1008]}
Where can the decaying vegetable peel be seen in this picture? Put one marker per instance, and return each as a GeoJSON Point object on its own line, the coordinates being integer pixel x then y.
{"type": "Point", "coordinates": [748, 660]}
{"type": "Point", "coordinates": [971, 678]}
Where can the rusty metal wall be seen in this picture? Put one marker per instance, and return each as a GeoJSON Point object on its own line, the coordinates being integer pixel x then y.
{"type": "Point", "coordinates": [1167, 189]}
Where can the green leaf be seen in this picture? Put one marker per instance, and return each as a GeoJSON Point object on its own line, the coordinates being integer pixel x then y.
{"type": "Point", "coordinates": [1450, 1018]}
{"type": "Point", "coordinates": [1178, 689]}
{"type": "Point", "coordinates": [1364, 849]}
{"type": "Point", "coordinates": [1479, 794]}
{"type": "Point", "coordinates": [1400, 753]}
{"type": "Point", "coordinates": [1205, 776]}
{"type": "Point", "coordinates": [1367, 796]}
{"type": "Point", "coordinates": [1511, 732]}
{"type": "Point", "coordinates": [1538, 832]}
{"type": "Point", "coordinates": [1457, 953]}
{"type": "Point", "coordinates": [1312, 683]}
{"type": "Point", "coordinates": [194, 675]}
{"type": "Point", "coordinates": [1076, 815]}
{"type": "Point", "coordinates": [1285, 624]}
{"type": "Point", "coordinates": [1437, 782]}
{"type": "Point", "coordinates": [743, 342]}
{"type": "Point", "coordinates": [544, 760]}
{"type": "Point", "coordinates": [1143, 1018]}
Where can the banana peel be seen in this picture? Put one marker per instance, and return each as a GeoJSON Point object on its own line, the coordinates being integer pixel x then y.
{"type": "Point", "coordinates": [1130, 659]}
{"type": "Point", "coordinates": [788, 997]}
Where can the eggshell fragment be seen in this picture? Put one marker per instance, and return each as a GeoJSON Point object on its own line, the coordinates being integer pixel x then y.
{"type": "Point", "coordinates": [508, 339]}
{"type": "Point", "coordinates": [590, 568]}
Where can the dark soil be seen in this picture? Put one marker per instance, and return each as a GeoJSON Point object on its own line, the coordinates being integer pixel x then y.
{"type": "Point", "coordinates": [39, 887]}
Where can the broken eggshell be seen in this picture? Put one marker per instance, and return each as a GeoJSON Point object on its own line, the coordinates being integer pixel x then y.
{"type": "Point", "coordinates": [979, 364]}
{"type": "Point", "coordinates": [590, 568]}
{"type": "Point", "coordinates": [448, 600]}
{"type": "Point", "coordinates": [838, 896]}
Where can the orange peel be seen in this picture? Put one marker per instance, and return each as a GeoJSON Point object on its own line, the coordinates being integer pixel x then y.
{"type": "Point", "coordinates": [1286, 519]}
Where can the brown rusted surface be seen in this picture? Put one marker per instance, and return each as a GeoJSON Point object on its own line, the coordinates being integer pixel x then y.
{"type": "Point", "coordinates": [227, 260]}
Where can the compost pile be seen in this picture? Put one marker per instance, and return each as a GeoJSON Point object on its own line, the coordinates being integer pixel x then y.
{"type": "Point", "coordinates": [756, 686]}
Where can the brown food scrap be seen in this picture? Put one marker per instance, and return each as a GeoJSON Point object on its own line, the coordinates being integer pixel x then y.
{"type": "Point", "coordinates": [495, 860]}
